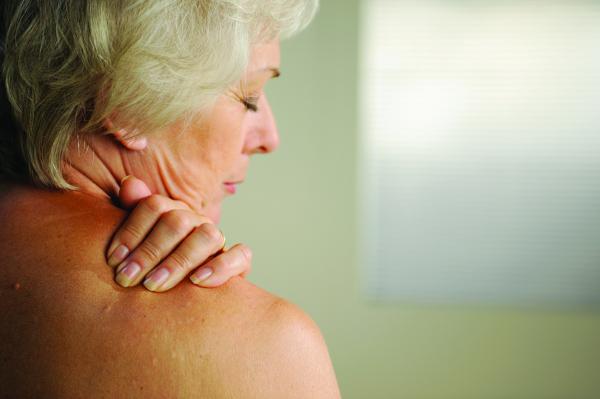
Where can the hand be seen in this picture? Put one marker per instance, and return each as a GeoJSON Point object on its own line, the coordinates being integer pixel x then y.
{"type": "Point", "coordinates": [163, 241]}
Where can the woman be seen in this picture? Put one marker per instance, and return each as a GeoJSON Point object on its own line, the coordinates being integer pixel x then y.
{"type": "Point", "coordinates": [171, 92]}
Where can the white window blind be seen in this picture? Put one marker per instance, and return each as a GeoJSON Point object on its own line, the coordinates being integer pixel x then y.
{"type": "Point", "coordinates": [480, 151]}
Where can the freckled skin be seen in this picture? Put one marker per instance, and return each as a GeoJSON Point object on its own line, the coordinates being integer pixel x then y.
{"type": "Point", "coordinates": [191, 164]}
{"type": "Point", "coordinates": [67, 330]}
{"type": "Point", "coordinates": [70, 332]}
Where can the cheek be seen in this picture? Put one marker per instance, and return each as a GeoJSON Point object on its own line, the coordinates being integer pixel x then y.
{"type": "Point", "coordinates": [226, 142]}
{"type": "Point", "coordinates": [213, 149]}
{"type": "Point", "coordinates": [210, 150]}
{"type": "Point", "coordinates": [218, 156]}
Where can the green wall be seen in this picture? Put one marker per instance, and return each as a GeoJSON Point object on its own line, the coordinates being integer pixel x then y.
{"type": "Point", "coordinates": [298, 212]}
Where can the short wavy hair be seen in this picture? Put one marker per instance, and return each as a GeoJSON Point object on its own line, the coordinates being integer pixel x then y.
{"type": "Point", "coordinates": [69, 64]}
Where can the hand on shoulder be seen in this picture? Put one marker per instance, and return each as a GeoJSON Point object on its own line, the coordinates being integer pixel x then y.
{"type": "Point", "coordinates": [95, 338]}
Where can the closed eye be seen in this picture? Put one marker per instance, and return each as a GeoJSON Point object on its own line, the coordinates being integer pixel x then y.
{"type": "Point", "coordinates": [251, 103]}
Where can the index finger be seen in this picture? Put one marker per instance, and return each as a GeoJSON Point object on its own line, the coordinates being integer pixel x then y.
{"type": "Point", "coordinates": [132, 191]}
{"type": "Point", "coordinates": [139, 223]}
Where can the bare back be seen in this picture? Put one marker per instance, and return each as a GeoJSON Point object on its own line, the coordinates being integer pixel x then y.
{"type": "Point", "coordinates": [69, 331]}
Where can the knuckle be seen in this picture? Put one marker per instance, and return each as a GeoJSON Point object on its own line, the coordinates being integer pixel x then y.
{"type": "Point", "coordinates": [150, 251]}
{"type": "Point", "coordinates": [180, 205]}
{"type": "Point", "coordinates": [131, 231]}
{"type": "Point", "coordinates": [155, 203]}
{"type": "Point", "coordinates": [211, 232]}
{"type": "Point", "coordinates": [180, 262]}
{"type": "Point", "coordinates": [204, 219]}
{"type": "Point", "coordinates": [177, 220]}
{"type": "Point", "coordinates": [222, 263]}
{"type": "Point", "coordinates": [247, 252]}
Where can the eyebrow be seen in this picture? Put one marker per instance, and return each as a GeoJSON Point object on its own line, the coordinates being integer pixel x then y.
{"type": "Point", "coordinates": [276, 72]}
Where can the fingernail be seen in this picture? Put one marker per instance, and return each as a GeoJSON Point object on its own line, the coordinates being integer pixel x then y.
{"type": "Point", "coordinates": [156, 279]}
{"type": "Point", "coordinates": [126, 275]}
{"type": "Point", "coordinates": [125, 178]}
{"type": "Point", "coordinates": [142, 141]}
{"type": "Point", "coordinates": [224, 238]}
{"type": "Point", "coordinates": [201, 275]}
{"type": "Point", "coordinates": [118, 255]}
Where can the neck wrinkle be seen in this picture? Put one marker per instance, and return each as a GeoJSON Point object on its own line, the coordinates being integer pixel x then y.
{"type": "Point", "coordinates": [175, 184]}
{"type": "Point", "coordinates": [87, 166]}
{"type": "Point", "coordinates": [98, 163]}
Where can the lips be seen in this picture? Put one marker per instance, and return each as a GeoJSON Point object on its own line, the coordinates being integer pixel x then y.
{"type": "Point", "coordinates": [231, 186]}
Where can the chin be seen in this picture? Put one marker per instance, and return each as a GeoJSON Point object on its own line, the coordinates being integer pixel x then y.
{"type": "Point", "coordinates": [213, 212]}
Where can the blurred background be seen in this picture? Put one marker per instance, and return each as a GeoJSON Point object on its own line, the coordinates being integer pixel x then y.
{"type": "Point", "coordinates": [434, 204]}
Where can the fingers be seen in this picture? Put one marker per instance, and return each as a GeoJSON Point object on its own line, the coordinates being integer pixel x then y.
{"type": "Point", "coordinates": [132, 191]}
{"type": "Point", "coordinates": [164, 232]}
{"type": "Point", "coordinates": [196, 249]}
{"type": "Point", "coordinates": [171, 229]}
{"type": "Point", "coordinates": [138, 224]}
{"type": "Point", "coordinates": [235, 261]}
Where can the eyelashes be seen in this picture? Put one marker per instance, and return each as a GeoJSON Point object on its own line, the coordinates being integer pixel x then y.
{"type": "Point", "coordinates": [251, 103]}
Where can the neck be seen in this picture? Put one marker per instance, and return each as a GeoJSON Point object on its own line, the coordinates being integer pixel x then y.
{"type": "Point", "coordinates": [97, 164]}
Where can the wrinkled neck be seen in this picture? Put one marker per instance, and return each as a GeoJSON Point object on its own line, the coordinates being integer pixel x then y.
{"type": "Point", "coordinates": [96, 164]}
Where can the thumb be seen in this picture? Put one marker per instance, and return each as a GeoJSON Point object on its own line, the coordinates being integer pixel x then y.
{"type": "Point", "coordinates": [132, 191]}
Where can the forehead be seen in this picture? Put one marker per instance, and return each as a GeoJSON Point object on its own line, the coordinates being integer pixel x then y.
{"type": "Point", "coordinates": [264, 56]}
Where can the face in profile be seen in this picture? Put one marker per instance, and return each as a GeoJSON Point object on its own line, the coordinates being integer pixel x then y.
{"type": "Point", "coordinates": [208, 160]}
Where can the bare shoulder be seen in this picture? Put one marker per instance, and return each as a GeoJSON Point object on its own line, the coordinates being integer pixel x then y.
{"type": "Point", "coordinates": [70, 331]}
{"type": "Point", "coordinates": [294, 358]}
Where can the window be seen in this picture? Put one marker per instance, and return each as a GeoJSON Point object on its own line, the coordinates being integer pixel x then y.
{"type": "Point", "coordinates": [480, 151]}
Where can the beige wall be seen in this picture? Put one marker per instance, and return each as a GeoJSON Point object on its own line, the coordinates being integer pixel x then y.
{"type": "Point", "coordinates": [297, 211]}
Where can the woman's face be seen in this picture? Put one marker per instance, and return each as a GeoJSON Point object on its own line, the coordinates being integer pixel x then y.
{"type": "Point", "coordinates": [204, 164]}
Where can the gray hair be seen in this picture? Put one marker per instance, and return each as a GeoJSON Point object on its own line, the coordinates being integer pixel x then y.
{"type": "Point", "coordinates": [70, 64]}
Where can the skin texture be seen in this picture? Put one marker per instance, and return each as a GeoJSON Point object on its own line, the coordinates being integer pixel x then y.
{"type": "Point", "coordinates": [68, 331]}
{"type": "Point", "coordinates": [173, 241]}
{"type": "Point", "coordinates": [189, 165]}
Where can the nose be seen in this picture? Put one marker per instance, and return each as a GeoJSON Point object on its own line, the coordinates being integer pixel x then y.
{"type": "Point", "coordinates": [263, 137]}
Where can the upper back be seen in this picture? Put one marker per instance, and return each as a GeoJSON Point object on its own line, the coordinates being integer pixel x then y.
{"type": "Point", "coordinates": [69, 331]}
